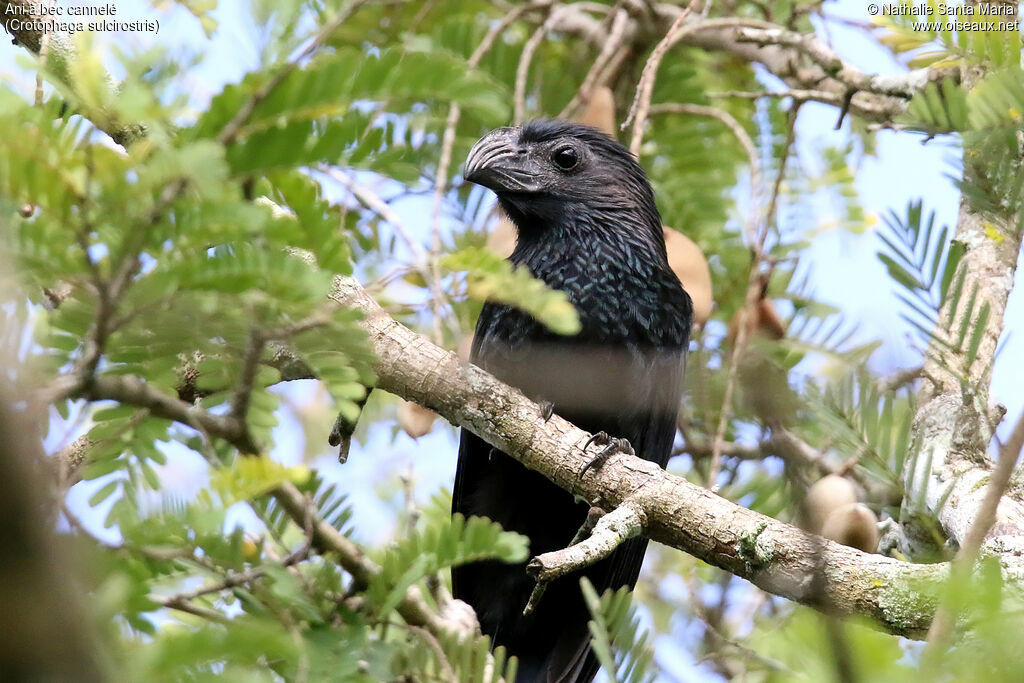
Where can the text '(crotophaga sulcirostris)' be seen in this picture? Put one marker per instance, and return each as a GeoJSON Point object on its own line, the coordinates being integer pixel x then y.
{"type": "Point", "coordinates": [587, 224]}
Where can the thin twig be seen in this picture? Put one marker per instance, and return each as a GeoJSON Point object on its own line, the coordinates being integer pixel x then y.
{"type": "Point", "coordinates": [413, 608]}
{"type": "Point", "coordinates": [769, 220]}
{"type": "Point", "coordinates": [642, 101]}
{"type": "Point", "coordinates": [808, 44]}
{"type": "Point", "coordinates": [234, 579]}
{"type": "Point", "coordinates": [597, 70]}
{"type": "Point", "coordinates": [425, 263]}
{"type": "Point", "coordinates": [247, 377]}
{"type": "Point", "coordinates": [594, 515]}
{"type": "Point", "coordinates": [900, 379]}
{"type": "Point", "coordinates": [230, 132]}
{"type": "Point", "coordinates": [525, 59]}
{"type": "Point", "coordinates": [782, 444]}
{"type": "Point", "coordinates": [130, 390]}
{"type": "Point", "coordinates": [741, 135]}
{"type": "Point", "coordinates": [743, 650]}
{"type": "Point", "coordinates": [447, 145]}
{"type": "Point", "coordinates": [44, 51]}
{"type": "Point", "coordinates": [796, 94]}
{"type": "Point", "coordinates": [446, 667]}
{"type": "Point", "coordinates": [609, 532]}
{"type": "Point", "coordinates": [157, 554]}
{"type": "Point", "coordinates": [534, 41]}
{"type": "Point", "coordinates": [109, 295]}
{"type": "Point", "coordinates": [183, 601]}
{"type": "Point", "coordinates": [318, 318]}
{"type": "Point", "coordinates": [755, 292]}
{"type": "Point", "coordinates": [189, 608]}
{"type": "Point", "coordinates": [373, 202]}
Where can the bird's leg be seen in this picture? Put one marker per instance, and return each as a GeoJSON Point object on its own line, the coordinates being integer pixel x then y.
{"type": "Point", "coordinates": [611, 445]}
{"type": "Point", "coordinates": [341, 432]}
{"type": "Point", "coordinates": [547, 409]}
{"type": "Point", "coordinates": [593, 515]}
{"type": "Point", "coordinates": [341, 436]}
{"type": "Point", "coordinates": [535, 596]}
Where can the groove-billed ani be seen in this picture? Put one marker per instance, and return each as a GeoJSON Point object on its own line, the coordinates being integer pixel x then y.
{"type": "Point", "coordinates": [587, 224]}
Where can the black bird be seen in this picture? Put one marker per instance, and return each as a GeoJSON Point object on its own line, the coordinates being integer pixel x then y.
{"type": "Point", "coordinates": [587, 224]}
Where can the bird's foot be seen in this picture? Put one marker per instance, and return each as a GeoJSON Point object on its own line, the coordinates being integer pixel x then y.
{"type": "Point", "coordinates": [593, 515]}
{"type": "Point", "coordinates": [341, 436]}
{"type": "Point", "coordinates": [611, 445]}
{"type": "Point", "coordinates": [547, 409]}
{"type": "Point", "coordinates": [535, 595]}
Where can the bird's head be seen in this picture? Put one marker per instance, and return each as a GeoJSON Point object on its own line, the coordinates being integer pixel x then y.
{"type": "Point", "coordinates": [545, 170]}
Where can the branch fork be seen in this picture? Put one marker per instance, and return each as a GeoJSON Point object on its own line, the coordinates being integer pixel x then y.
{"type": "Point", "coordinates": [611, 530]}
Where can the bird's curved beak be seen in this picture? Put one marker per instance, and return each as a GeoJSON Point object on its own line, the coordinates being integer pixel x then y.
{"type": "Point", "coordinates": [499, 163]}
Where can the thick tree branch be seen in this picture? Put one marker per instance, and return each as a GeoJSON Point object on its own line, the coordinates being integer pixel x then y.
{"type": "Point", "coordinates": [801, 61]}
{"type": "Point", "coordinates": [942, 626]}
{"type": "Point", "coordinates": [954, 423]}
{"type": "Point", "coordinates": [413, 607]}
{"type": "Point", "coordinates": [771, 554]}
{"type": "Point", "coordinates": [135, 392]}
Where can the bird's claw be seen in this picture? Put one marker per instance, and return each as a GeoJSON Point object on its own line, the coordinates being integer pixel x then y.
{"type": "Point", "coordinates": [341, 436]}
{"type": "Point", "coordinates": [611, 445]}
{"type": "Point", "coordinates": [547, 409]}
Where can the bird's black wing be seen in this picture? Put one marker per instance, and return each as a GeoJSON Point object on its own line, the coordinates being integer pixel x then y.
{"type": "Point", "coordinates": [651, 434]}
{"type": "Point", "coordinates": [631, 394]}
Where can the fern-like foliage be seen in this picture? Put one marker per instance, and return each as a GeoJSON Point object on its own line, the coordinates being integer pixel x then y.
{"type": "Point", "coordinates": [283, 129]}
{"type": "Point", "coordinates": [331, 506]}
{"type": "Point", "coordinates": [863, 424]}
{"type": "Point", "coordinates": [924, 33]}
{"type": "Point", "coordinates": [940, 306]}
{"type": "Point", "coordinates": [621, 646]}
{"type": "Point", "coordinates": [939, 107]}
{"type": "Point", "coordinates": [439, 546]}
{"type": "Point", "coordinates": [993, 153]}
{"type": "Point", "coordinates": [822, 329]}
{"type": "Point", "coordinates": [490, 277]}
{"type": "Point", "coordinates": [921, 259]}
{"type": "Point", "coordinates": [451, 658]}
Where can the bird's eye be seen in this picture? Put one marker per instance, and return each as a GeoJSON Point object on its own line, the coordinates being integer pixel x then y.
{"type": "Point", "coordinates": [566, 158]}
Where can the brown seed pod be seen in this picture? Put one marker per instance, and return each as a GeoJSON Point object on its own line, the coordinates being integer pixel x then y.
{"type": "Point", "coordinates": [26, 210]}
{"type": "Point", "coordinates": [502, 239]}
{"type": "Point", "coordinates": [690, 266]}
{"type": "Point", "coordinates": [853, 525]}
{"type": "Point", "coordinates": [765, 321]}
{"type": "Point", "coordinates": [764, 389]}
{"type": "Point", "coordinates": [465, 347]}
{"type": "Point", "coordinates": [414, 419]}
{"type": "Point", "coordinates": [599, 111]}
{"type": "Point", "coordinates": [769, 322]}
{"type": "Point", "coordinates": [734, 326]}
{"type": "Point", "coordinates": [824, 497]}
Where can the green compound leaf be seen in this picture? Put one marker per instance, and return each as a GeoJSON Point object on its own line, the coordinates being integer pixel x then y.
{"type": "Point", "coordinates": [491, 278]}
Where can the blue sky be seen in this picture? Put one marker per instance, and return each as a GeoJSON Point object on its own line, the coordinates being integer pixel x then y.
{"type": "Point", "coordinates": [845, 273]}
